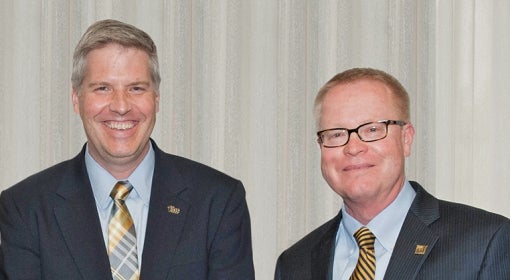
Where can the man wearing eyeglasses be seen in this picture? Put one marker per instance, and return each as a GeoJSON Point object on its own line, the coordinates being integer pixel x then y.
{"type": "Point", "coordinates": [388, 227]}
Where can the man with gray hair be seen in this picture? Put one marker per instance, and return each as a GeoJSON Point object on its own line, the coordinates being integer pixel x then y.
{"type": "Point", "coordinates": [123, 208]}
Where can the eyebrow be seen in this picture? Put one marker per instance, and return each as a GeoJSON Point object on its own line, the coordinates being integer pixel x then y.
{"type": "Point", "coordinates": [93, 84]}
{"type": "Point", "coordinates": [140, 83]}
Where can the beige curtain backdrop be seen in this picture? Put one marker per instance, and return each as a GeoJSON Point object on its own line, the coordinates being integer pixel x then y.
{"type": "Point", "coordinates": [239, 79]}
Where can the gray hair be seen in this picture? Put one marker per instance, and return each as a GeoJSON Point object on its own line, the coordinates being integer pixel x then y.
{"type": "Point", "coordinates": [110, 31]}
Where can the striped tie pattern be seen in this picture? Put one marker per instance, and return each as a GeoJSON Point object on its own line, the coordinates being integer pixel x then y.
{"type": "Point", "coordinates": [365, 267]}
{"type": "Point", "coordinates": [122, 236]}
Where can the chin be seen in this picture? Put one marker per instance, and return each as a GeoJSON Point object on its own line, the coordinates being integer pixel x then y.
{"type": "Point", "coordinates": [358, 188]}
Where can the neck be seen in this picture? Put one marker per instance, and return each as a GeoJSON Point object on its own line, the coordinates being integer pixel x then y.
{"type": "Point", "coordinates": [121, 168]}
{"type": "Point", "coordinates": [365, 209]}
{"type": "Point", "coordinates": [363, 214]}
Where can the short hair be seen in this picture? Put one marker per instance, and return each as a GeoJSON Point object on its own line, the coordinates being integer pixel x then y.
{"type": "Point", "coordinates": [109, 31]}
{"type": "Point", "coordinates": [357, 74]}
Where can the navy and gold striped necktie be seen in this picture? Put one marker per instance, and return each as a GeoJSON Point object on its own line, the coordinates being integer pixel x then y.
{"type": "Point", "coordinates": [365, 267]}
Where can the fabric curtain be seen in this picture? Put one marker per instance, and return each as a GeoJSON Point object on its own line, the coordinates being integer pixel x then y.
{"type": "Point", "coordinates": [238, 83]}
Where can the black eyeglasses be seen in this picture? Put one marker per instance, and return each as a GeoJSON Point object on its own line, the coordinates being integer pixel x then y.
{"type": "Point", "coordinates": [367, 132]}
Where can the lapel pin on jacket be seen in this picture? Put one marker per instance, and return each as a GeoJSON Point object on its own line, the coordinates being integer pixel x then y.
{"type": "Point", "coordinates": [173, 210]}
{"type": "Point", "coordinates": [420, 249]}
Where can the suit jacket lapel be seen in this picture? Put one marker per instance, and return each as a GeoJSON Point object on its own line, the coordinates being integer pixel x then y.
{"type": "Point", "coordinates": [323, 252]}
{"type": "Point", "coordinates": [167, 215]}
{"type": "Point", "coordinates": [78, 221]}
{"type": "Point", "coordinates": [410, 252]}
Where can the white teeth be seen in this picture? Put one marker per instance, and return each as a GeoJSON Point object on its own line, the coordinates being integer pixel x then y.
{"type": "Point", "coordinates": [120, 125]}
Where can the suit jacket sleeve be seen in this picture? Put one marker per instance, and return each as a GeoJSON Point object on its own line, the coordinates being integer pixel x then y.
{"type": "Point", "coordinates": [17, 243]}
{"type": "Point", "coordinates": [49, 227]}
{"type": "Point", "coordinates": [210, 237]}
{"type": "Point", "coordinates": [231, 254]}
{"type": "Point", "coordinates": [496, 263]}
{"type": "Point", "coordinates": [277, 272]}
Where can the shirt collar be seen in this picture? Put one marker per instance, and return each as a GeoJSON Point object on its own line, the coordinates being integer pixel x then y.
{"type": "Point", "coordinates": [387, 224]}
{"type": "Point", "coordinates": [102, 181]}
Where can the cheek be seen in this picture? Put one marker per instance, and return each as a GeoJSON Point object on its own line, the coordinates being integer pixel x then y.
{"type": "Point", "coordinates": [146, 105]}
{"type": "Point", "coordinates": [150, 109]}
{"type": "Point", "coordinates": [90, 107]}
{"type": "Point", "coordinates": [329, 161]}
{"type": "Point", "coordinates": [392, 157]}
{"type": "Point", "coordinates": [87, 111]}
{"type": "Point", "coordinates": [327, 156]}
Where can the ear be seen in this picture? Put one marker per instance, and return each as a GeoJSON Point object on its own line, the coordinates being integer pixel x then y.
{"type": "Point", "coordinates": [156, 100]}
{"type": "Point", "coordinates": [76, 99]}
{"type": "Point", "coordinates": [407, 138]}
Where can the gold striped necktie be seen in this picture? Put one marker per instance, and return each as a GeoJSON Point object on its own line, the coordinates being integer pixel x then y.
{"type": "Point", "coordinates": [122, 236]}
{"type": "Point", "coordinates": [365, 267]}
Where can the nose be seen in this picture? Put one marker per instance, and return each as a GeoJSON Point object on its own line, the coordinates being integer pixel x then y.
{"type": "Point", "coordinates": [120, 102]}
{"type": "Point", "coordinates": [354, 146]}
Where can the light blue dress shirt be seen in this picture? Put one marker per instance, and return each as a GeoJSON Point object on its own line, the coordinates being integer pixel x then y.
{"type": "Point", "coordinates": [137, 202]}
{"type": "Point", "coordinates": [385, 226]}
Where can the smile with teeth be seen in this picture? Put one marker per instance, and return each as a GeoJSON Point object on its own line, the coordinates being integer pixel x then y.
{"type": "Point", "coordinates": [120, 125]}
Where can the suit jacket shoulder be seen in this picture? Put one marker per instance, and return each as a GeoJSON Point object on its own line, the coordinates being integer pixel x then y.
{"type": "Point", "coordinates": [47, 181]}
{"type": "Point", "coordinates": [198, 225]}
{"type": "Point", "coordinates": [438, 240]}
{"type": "Point", "coordinates": [312, 256]}
{"type": "Point", "coordinates": [50, 227]}
{"type": "Point", "coordinates": [187, 170]}
{"type": "Point", "coordinates": [446, 240]}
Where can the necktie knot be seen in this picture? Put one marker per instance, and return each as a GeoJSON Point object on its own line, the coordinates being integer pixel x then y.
{"type": "Point", "coordinates": [365, 238]}
{"type": "Point", "coordinates": [121, 190]}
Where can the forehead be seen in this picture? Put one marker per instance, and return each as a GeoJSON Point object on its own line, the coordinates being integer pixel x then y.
{"type": "Point", "coordinates": [354, 103]}
{"type": "Point", "coordinates": [114, 59]}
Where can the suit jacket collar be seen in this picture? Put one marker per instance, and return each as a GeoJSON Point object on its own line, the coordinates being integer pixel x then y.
{"type": "Point", "coordinates": [168, 208]}
{"type": "Point", "coordinates": [416, 239]}
{"type": "Point", "coordinates": [406, 260]}
{"type": "Point", "coordinates": [323, 252]}
{"type": "Point", "coordinates": [76, 215]}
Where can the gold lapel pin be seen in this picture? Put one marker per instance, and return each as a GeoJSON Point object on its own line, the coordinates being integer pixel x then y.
{"type": "Point", "coordinates": [173, 210]}
{"type": "Point", "coordinates": [420, 249]}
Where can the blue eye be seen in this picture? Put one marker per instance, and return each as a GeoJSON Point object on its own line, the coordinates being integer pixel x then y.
{"type": "Point", "coordinates": [101, 89]}
{"type": "Point", "coordinates": [138, 89]}
{"type": "Point", "coordinates": [338, 133]}
{"type": "Point", "coordinates": [373, 129]}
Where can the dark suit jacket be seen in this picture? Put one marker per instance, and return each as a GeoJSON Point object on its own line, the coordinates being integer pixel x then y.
{"type": "Point", "coordinates": [50, 227]}
{"type": "Point", "coordinates": [462, 243]}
